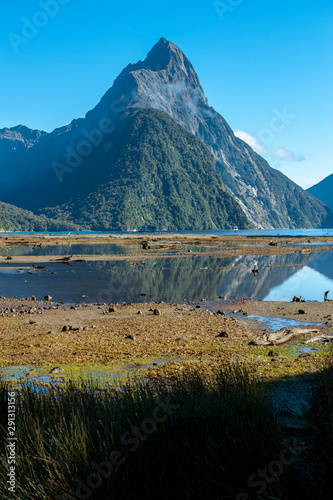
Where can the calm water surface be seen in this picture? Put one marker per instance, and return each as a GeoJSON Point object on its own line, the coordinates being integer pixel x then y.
{"type": "Point", "coordinates": [172, 280]}
{"type": "Point", "coordinates": [243, 232]}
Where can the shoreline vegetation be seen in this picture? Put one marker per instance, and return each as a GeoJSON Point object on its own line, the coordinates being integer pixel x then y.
{"type": "Point", "coordinates": [242, 421]}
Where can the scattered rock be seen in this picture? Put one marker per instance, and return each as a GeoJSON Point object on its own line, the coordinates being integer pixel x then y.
{"type": "Point", "coordinates": [182, 339]}
{"type": "Point", "coordinates": [297, 299]}
{"type": "Point", "coordinates": [301, 311]}
{"type": "Point", "coordinates": [129, 337]}
{"type": "Point", "coordinates": [305, 355]}
{"type": "Point", "coordinates": [31, 322]}
{"type": "Point", "coordinates": [222, 313]}
{"type": "Point", "coordinates": [65, 328]}
{"type": "Point", "coordinates": [139, 312]}
{"type": "Point", "coordinates": [33, 298]}
{"type": "Point", "coordinates": [157, 312]}
{"type": "Point", "coordinates": [255, 270]}
{"type": "Point", "coordinates": [274, 353]}
{"type": "Point", "coordinates": [47, 298]}
{"type": "Point", "coordinates": [222, 335]}
{"type": "Point", "coordinates": [112, 308]}
{"type": "Point", "coordinates": [57, 369]}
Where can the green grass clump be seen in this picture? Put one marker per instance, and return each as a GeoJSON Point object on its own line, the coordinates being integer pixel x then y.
{"type": "Point", "coordinates": [198, 435]}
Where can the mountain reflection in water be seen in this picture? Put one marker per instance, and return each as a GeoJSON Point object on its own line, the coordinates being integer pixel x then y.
{"type": "Point", "coordinates": [176, 279]}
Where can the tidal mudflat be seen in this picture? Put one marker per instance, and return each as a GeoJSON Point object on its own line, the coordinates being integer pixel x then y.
{"type": "Point", "coordinates": [105, 314]}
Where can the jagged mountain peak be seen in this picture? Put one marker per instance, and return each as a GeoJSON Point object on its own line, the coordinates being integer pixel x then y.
{"type": "Point", "coordinates": [18, 136]}
{"type": "Point", "coordinates": [165, 80]}
{"type": "Point", "coordinates": [21, 133]}
{"type": "Point", "coordinates": [165, 55]}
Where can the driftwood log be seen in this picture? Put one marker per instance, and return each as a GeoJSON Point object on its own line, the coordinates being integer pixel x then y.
{"type": "Point", "coordinates": [281, 337]}
{"type": "Point", "coordinates": [320, 338]}
{"type": "Point", "coordinates": [62, 259]}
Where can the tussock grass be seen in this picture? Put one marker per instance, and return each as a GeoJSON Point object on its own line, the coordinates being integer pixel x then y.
{"type": "Point", "coordinates": [195, 435]}
{"type": "Point", "coordinates": [321, 418]}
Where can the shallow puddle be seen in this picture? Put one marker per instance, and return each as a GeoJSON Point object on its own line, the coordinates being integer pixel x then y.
{"type": "Point", "coordinates": [274, 324]}
{"type": "Point", "coordinates": [35, 377]}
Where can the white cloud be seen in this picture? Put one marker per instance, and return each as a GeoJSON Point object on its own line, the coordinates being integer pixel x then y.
{"type": "Point", "coordinates": [284, 154]}
{"type": "Point", "coordinates": [306, 185]}
{"type": "Point", "coordinates": [251, 140]}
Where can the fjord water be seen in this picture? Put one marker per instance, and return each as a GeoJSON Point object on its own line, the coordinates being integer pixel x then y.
{"type": "Point", "coordinates": [167, 279]}
{"type": "Point", "coordinates": [225, 232]}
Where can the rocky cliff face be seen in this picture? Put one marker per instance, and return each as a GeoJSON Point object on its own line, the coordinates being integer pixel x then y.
{"type": "Point", "coordinates": [11, 138]}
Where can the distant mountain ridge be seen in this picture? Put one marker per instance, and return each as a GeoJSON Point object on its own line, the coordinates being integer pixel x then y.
{"type": "Point", "coordinates": [324, 191]}
{"type": "Point", "coordinates": [165, 81]}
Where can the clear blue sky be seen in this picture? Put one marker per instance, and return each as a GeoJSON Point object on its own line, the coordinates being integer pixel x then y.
{"type": "Point", "coordinates": [257, 58]}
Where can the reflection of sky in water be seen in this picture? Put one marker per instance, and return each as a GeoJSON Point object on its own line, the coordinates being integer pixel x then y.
{"type": "Point", "coordinates": [274, 324]}
{"type": "Point", "coordinates": [307, 282]}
